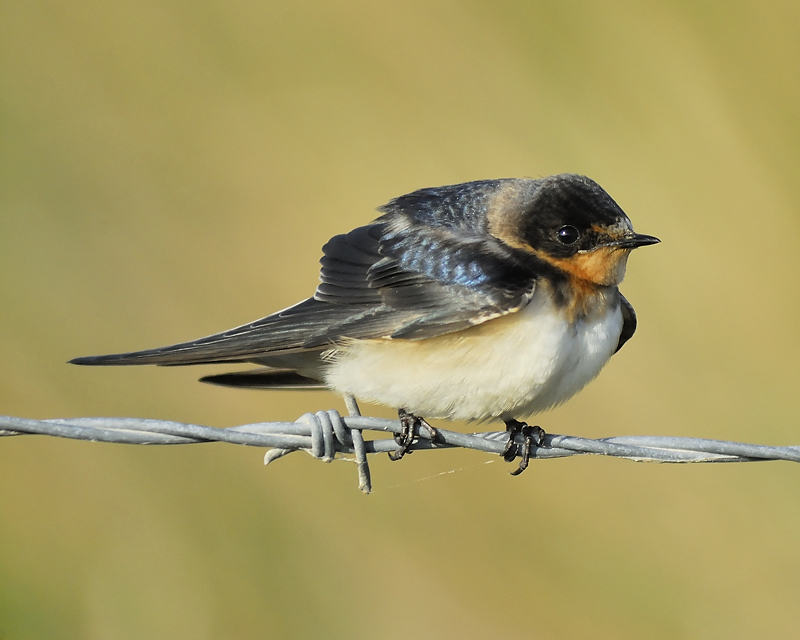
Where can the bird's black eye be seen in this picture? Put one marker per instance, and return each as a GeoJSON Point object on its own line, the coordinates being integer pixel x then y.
{"type": "Point", "coordinates": [568, 235]}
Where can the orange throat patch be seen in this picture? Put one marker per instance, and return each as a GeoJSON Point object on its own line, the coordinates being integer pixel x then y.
{"type": "Point", "coordinates": [603, 267]}
{"type": "Point", "coordinates": [592, 275]}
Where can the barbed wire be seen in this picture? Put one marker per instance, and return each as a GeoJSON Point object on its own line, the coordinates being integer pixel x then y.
{"type": "Point", "coordinates": [325, 434]}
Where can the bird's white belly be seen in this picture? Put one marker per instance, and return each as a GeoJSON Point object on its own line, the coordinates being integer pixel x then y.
{"type": "Point", "coordinates": [512, 366]}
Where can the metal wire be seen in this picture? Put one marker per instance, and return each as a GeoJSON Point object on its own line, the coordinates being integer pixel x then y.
{"type": "Point", "coordinates": [326, 433]}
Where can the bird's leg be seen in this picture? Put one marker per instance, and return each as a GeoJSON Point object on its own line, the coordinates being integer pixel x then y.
{"type": "Point", "coordinates": [532, 435]}
{"type": "Point", "coordinates": [408, 422]}
{"type": "Point", "coordinates": [405, 438]}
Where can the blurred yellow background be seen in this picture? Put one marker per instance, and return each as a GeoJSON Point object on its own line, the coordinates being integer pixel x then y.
{"type": "Point", "coordinates": [171, 169]}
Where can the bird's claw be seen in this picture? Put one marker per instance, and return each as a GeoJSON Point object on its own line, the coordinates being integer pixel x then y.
{"type": "Point", "coordinates": [532, 436]}
{"type": "Point", "coordinates": [405, 438]}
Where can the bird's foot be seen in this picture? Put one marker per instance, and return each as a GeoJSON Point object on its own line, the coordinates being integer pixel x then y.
{"type": "Point", "coordinates": [533, 436]}
{"type": "Point", "coordinates": [405, 438]}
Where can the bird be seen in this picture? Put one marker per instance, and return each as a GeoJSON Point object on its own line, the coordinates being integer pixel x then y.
{"type": "Point", "coordinates": [486, 300]}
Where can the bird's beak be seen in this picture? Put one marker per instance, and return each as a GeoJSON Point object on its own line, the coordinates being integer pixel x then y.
{"type": "Point", "coordinates": [636, 240]}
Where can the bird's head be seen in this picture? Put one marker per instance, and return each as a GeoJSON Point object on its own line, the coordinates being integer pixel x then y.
{"type": "Point", "coordinates": [568, 221]}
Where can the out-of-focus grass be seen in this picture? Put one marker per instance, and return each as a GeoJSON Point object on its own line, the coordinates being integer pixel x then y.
{"type": "Point", "coordinates": [171, 169]}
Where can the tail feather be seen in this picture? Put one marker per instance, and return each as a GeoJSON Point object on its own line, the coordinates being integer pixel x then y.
{"type": "Point", "coordinates": [264, 378]}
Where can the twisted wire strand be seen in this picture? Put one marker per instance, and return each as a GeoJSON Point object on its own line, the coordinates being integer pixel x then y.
{"type": "Point", "coordinates": [326, 433]}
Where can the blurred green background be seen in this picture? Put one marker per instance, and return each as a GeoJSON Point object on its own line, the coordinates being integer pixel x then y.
{"type": "Point", "coordinates": [171, 169]}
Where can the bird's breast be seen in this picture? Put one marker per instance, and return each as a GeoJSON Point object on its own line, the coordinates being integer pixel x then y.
{"type": "Point", "coordinates": [512, 366]}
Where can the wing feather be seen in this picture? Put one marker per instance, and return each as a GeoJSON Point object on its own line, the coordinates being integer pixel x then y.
{"type": "Point", "coordinates": [424, 268]}
{"type": "Point", "coordinates": [628, 322]}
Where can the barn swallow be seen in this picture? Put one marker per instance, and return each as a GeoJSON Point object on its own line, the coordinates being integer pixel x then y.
{"type": "Point", "coordinates": [494, 299]}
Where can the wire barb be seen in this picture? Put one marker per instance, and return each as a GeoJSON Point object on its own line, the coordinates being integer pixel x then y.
{"type": "Point", "coordinates": [325, 434]}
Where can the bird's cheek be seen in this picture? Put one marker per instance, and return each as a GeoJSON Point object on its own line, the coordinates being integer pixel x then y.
{"type": "Point", "coordinates": [604, 266]}
{"type": "Point", "coordinates": [619, 270]}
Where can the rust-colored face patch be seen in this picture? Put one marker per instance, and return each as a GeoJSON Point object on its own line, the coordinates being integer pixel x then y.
{"type": "Point", "coordinates": [604, 266]}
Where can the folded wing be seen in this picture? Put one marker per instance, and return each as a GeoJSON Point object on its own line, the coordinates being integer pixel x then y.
{"type": "Point", "coordinates": [397, 278]}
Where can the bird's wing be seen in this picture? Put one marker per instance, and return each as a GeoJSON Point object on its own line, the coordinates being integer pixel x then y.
{"type": "Point", "coordinates": [418, 281]}
{"type": "Point", "coordinates": [628, 322]}
{"type": "Point", "coordinates": [282, 332]}
{"type": "Point", "coordinates": [393, 278]}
